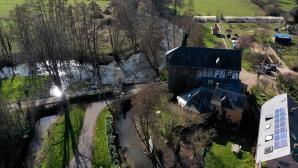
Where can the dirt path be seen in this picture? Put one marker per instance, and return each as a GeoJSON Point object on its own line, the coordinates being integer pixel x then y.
{"type": "Point", "coordinates": [283, 68]}
{"type": "Point", "coordinates": [223, 39]}
{"type": "Point", "coordinates": [85, 141]}
{"type": "Point", "coordinates": [248, 78]}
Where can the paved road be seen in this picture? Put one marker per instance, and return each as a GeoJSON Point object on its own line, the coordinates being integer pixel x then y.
{"type": "Point", "coordinates": [85, 141]}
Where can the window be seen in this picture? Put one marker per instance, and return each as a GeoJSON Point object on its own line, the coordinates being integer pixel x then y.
{"type": "Point", "coordinates": [210, 73]}
{"type": "Point", "coordinates": [268, 138]}
{"type": "Point", "coordinates": [267, 126]}
{"type": "Point", "coordinates": [204, 73]}
{"type": "Point", "coordinates": [210, 82]}
{"type": "Point", "coordinates": [199, 74]}
{"type": "Point", "coordinates": [229, 74]}
{"type": "Point", "coordinates": [216, 73]}
{"type": "Point", "coordinates": [268, 117]}
{"type": "Point", "coordinates": [268, 150]}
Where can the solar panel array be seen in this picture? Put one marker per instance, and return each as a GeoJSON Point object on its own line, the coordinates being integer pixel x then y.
{"type": "Point", "coordinates": [280, 128]}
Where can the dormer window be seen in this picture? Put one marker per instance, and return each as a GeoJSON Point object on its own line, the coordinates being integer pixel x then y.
{"type": "Point", "coordinates": [268, 138]}
{"type": "Point", "coordinates": [268, 150]}
{"type": "Point", "coordinates": [268, 117]}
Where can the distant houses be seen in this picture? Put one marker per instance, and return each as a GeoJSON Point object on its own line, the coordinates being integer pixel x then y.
{"type": "Point", "coordinates": [207, 81]}
{"type": "Point", "coordinates": [278, 133]}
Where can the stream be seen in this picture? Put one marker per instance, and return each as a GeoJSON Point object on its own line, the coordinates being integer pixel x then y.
{"type": "Point", "coordinates": [134, 68]}
{"type": "Point", "coordinates": [131, 144]}
{"type": "Point", "coordinates": [41, 129]}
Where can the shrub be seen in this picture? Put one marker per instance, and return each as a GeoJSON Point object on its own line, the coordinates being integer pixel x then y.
{"type": "Point", "coordinates": [294, 14]}
{"type": "Point", "coordinates": [272, 10]}
{"type": "Point", "coordinates": [245, 41]}
{"type": "Point", "coordinates": [289, 84]}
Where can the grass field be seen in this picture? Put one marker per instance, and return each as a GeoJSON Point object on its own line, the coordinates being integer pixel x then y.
{"type": "Point", "coordinates": [8, 5]}
{"type": "Point", "coordinates": [19, 87]}
{"type": "Point", "coordinates": [51, 154]}
{"type": "Point", "coordinates": [220, 154]}
{"type": "Point", "coordinates": [287, 5]}
{"type": "Point", "coordinates": [262, 94]}
{"type": "Point", "coordinates": [227, 7]}
{"type": "Point", "coordinates": [101, 150]}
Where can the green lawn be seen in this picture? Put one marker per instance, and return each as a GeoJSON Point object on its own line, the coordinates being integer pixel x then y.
{"type": "Point", "coordinates": [220, 155]}
{"type": "Point", "coordinates": [101, 150]}
{"type": "Point", "coordinates": [19, 87]}
{"type": "Point", "coordinates": [262, 94]}
{"type": "Point", "coordinates": [7, 5]}
{"type": "Point", "coordinates": [51, 154]}
{"type": "Point", "coordinates": [227, 7]}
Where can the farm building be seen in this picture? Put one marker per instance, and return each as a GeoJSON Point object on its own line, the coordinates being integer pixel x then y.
{"type": "Point", "coordinates": [207, 81]}
{"type": "Point", "coordinates": [253, 19]}
{"type": "Point", "coordinates": [191, 67]}
{"type": "Point", "coordinates": [278, 133]}
{"type": "Point", "coordinates": [202, 19]}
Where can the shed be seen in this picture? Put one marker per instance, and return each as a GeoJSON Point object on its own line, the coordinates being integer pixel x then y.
{"type": "Point", "coordinates": [284, 39]}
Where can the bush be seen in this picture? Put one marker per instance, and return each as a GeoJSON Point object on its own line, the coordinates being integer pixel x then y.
{"type": "Point", "coordinates": [294, 14]}
{"type": "Point", "coordinates": [105, 152]}
{"type": "Point", "coordinates": [245, 41]}
{"type": "Point", "coordinates": [272, 10]}
{"type": "Point", "coordinates": [260, 3]}
{"type": "Point", "coordinates": [289, 84]}
{"type": "Point", "coordinates": [251, 60]}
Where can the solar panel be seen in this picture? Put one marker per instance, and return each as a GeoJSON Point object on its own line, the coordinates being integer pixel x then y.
{"type": "Point", "coordinates": [280, 129]}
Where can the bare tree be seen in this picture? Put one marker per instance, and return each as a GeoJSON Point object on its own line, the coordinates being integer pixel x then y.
{"type": "Point", "coordinates": [187, 22]}
{"type": "Point", "coordinates": [199, 141]}
{"type": "Point", "coordinates": [143, 107]}
{"type": "Point", "coordinates": [42, 34]}
{"type": "Point", "coordinates": [129, 21]}
{"type": "Point", "coordinates": [150, 37]}
{"type": "Point", "coordinates": [6, 44]}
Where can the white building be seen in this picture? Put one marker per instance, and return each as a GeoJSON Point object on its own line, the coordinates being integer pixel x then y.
{"type": "Point", "coordinates": [278, 133]}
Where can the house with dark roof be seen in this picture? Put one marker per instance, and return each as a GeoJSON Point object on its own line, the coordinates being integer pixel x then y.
{"type": "Point", "coordinates": [227, 105]}
{"type": "Point", "coordinates": [191, 67]}
{"type": "Point", "coordinates": [278, 133]}
{"type": "Point", "coordinates": [207, 81]}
